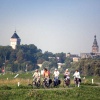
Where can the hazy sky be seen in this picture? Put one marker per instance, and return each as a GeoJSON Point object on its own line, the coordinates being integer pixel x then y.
{"type": "Point", "coordinates": [52, 25]}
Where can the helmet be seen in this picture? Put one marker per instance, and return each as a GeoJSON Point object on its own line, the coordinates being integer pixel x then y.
{"type": "Point", "coordinates": [36, 70]}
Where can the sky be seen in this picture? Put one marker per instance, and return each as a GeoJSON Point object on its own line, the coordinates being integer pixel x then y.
{"type": "Point", "coordinates": [52, 25]}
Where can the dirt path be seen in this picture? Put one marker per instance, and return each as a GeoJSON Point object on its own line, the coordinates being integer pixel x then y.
{"type": "Point", "coordinates": [66, 88]}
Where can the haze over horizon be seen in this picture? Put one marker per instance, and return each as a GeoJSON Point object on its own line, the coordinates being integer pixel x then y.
{"type": "Point", "coordinates": [52, 25]}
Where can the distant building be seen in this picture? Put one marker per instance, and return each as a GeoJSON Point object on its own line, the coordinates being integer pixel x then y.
{"type": "Point", "coordinates": [85, 55]}
{"type": "Point", "coordinates": [60, 65]}
{"type": "Point", "coordinates": [40, 65]}
{"type": "Point", "coordinates": [95, 50]}
{"type": "Point", "coordinates": [95, 47]}
{"type": "Point", "coordinates": [15, 40]}
{"type": "Point", "coordinates": [74, 57]}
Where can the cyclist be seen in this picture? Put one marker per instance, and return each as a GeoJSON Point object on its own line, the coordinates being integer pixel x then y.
{"type": "Point", "coordinates": [46, 75]}
{"type": "Point", "coordinates": [67, 74]}
{"type": "Point", "coordinates": [77, 74]}
{"type": "Point", "coordinates": [67, 77]}
{"type": "Point", "coordinates": [56, 76]}
{"type": "Point", "coordinates": [36, 76]}
{"type": "Point", "coordinates": [77, 78]}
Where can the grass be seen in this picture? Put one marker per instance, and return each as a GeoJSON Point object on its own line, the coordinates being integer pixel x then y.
{"type": "Point", "coordinates": [82, 93]}
{"type": "Point", "coordinates": [10, 91]}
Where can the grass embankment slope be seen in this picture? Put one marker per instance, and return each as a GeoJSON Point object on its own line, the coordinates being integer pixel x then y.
{"type": "Point", "coordinates": [10, 91]}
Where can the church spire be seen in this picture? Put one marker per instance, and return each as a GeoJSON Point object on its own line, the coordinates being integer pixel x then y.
{"type": "Point", "coordinates": [95, 41]}
{"type": "Point", "coordinates": [95, 47]}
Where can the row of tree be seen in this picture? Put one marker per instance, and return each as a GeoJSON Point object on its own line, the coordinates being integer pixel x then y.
{"type": "Point", "coordinates": [87, 67]}
{"type": "Point", "coordinates": [26, 58]}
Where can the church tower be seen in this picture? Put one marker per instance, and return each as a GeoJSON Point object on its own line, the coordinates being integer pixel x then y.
{"type": "Point", "coordinates": [15, 40]}
{"type": "Point", "coordinates": [95, 47]}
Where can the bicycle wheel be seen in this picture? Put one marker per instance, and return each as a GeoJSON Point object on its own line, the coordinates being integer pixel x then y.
{"type": "Point", "coordinates": [33, 84]}
{"type": "Point", "coordinates": [43, 84]}
{"type": "Point", "coordinates": [52, 84]}
{"type": "Point", "coordinates": [38, 84]}
{"type": "Point", "coordinates": [64, 84]}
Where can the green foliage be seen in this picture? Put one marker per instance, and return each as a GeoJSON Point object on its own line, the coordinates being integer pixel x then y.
{"type": "Point", "coordinates": [16, 60]}
{"type": "Point", "coordinates": [86, 91]}
{"type": "Point", "coordinates": [5, 87]}
{"type": "Point", "coordinates": [26, 58]}
{"type": "Point", "coordinates": [46, 64]}
{"type": "Point", "coordinates": [89, 67]}
{"type": "Point", "coordinates": [89, 84]}
{"type": "Point", "coordinates": [23, 87]}
{"type": "Point", "coordinates": [82, 93]}
{"type": "Point", "coordinates": [62, 57]}
{"type": "Point", "coordinates": [46, 55]}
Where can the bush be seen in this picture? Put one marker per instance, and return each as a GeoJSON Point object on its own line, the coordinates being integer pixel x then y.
{"type": "Point", "coordinates": [89, 84]}
{"type": "Point", "coordinates": [5, 87]}
{"type": "Point", "coordinates": [23, 87]}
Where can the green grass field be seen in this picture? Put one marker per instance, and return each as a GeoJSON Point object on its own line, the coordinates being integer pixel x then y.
{"type": "Point", "coordinates": [10, 91]}
{"type": "Point", "coordinates": [82, 93]}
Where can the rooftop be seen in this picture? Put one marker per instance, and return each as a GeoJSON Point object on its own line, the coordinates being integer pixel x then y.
{"type": "Point", "coordinates": [15, 35]}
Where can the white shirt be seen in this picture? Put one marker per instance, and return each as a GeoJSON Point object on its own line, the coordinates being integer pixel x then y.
{"type": "Point", "coordinates": [42, 71]}
{"type": "Point", "coordinates": [36, 74]}
{"type": "Point", "coordinates": [76, 75]}
{"type": "Point", "coordinates": [56, 73]}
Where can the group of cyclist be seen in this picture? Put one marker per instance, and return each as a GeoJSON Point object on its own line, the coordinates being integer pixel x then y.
{"type": "Point", "coordinates": [46, 76]}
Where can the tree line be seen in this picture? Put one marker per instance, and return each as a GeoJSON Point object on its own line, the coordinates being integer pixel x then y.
{"type": "Point", "coordinates": [26, 57]}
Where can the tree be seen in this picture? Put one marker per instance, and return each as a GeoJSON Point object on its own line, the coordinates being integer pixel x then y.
{"type": "Point", "coordinates": [61, 56]}
{"type": "Point", "coordinates": [46, 55]}
{"type": "Point", "coordinates": [20, 56]}
{"type": "Point", "coordinates": [46, 64]}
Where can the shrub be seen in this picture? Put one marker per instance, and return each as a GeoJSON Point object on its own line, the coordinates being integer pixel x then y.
{"type": "Point", "coordinates": [5, 87]}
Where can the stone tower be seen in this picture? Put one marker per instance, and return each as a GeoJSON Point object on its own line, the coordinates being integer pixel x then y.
{"type": "Point", "coordinates": [15, 40]}
{"type": "Point", "coordinates": [95, 47]}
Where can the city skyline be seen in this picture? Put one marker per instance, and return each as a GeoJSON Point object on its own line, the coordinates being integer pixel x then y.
{"type": "Point", "coordinates": [55, 26]}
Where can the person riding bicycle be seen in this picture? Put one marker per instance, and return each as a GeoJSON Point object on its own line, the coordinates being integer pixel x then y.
{"type": "Point", "coordinates": [56, 76]}
{"type": "Point", "coordinates": [67, 74]}
{"type": "Point", "coordinates": [46, 75]}
{"type": "Point", "coordinates": [77, 74]}
{"type": "Point", "coordinates": [77, 77]}
{"type": "Point", "coordinates": [36, 76]}
{"type": "Point", "coordinates": [67, 78]}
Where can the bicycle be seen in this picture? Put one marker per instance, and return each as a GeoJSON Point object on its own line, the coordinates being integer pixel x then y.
{"type": "Point", "coordinates": [66, 81]}
{"type": "Point", "coordinates": [36, 83]}
{"type": "Point", "coordinates": [56, 82]}
{"type": "Point", "coordinates": [46, 83]}
{"type": "Point", "coordinates": [77, 82]}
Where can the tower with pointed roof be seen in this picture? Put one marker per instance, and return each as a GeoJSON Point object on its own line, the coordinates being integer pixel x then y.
{"type": "Point", "coordinates": [15, 40]}
{"type": "Point", "coordinates": [95, 47]}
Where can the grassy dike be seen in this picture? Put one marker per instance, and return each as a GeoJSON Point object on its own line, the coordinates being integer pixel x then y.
{"type": "Point", "coordinates": [9, 89]}
{"type": "Point", "coordinates": [81, 93]}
